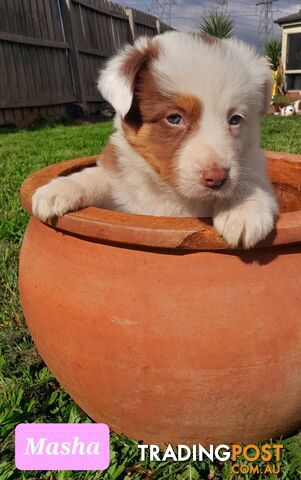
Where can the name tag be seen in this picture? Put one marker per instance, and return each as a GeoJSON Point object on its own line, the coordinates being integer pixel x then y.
{"type": "Point", "coordinates": [62, 446]}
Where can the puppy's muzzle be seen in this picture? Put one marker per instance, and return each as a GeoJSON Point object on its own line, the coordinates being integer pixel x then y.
{"type": "Point", "coordinates": [214, 177]}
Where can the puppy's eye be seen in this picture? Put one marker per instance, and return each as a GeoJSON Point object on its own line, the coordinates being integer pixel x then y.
{"type": "Point", "coordinates": [235, 120]}
{"type": "Point", "coordinates": [174, 119]}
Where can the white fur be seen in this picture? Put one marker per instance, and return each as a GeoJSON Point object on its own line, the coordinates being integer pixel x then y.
{"type": "Point", "coordinates": [138, 189]}
{"type": "Point", "coordinates": [297, 106]}
{"type": "Point", "coordinates": [227, 76]}
{"type": "Point", "coordinates": [65, 194]}
{"type": "Point", "coordinates": [288, 111]}
{"type": "Point", "coordinates": [115, 87]}
{"type": "Point", "coordinates": [249, 218]}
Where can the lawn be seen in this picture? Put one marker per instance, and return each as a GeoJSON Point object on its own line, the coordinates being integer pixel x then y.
{"type": "Point", "coordinates": [28, 392]}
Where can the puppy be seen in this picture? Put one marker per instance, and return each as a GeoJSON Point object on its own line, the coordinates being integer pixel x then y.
{"type": "Point", "coordinates": [288, 111]}
{"type": "Point", "coordinates": [187, 138]}
{"type": "Point", "coordinates": [284, 109]}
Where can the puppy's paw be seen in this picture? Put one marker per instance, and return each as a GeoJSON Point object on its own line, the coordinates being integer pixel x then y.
{"type": "Point", "coordinates": [56, 198]}
{"type": "Point", "coordinates": [248, 222]}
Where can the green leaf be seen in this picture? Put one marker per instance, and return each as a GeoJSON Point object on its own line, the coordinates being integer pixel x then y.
{"type": "Point", "coordinates": [218, 24]}
{"type": "Point", "coordinates": [272, 50]}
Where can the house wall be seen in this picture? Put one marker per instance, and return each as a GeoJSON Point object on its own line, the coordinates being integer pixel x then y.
{"type": "Point", "coordinates": [293, 76]}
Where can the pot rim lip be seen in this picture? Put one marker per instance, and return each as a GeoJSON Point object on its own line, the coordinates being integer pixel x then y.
{"type": "Point", "coordinates": [146, 231]}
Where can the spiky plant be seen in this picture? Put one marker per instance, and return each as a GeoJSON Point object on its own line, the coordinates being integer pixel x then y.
{"type": "Point", "coordinates": [293, 447]}
{"type": "Point", "coordinates": [218, 24]}
{"type": "Point", "coordinates": [272, 50]}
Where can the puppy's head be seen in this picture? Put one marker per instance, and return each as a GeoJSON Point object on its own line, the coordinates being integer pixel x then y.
{"type": "Point", "coordinates": [190, 105]}
{"type": "Point", "coordinates": [289, 111]}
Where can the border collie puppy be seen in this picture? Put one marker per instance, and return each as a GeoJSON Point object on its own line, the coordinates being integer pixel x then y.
{"type": "Point", "coordinates": [284, 109]}
{"type": "Point", "coordinates": [187, 137]}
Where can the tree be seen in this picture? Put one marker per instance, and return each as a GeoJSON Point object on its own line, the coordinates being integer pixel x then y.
{"type": "Point", "coordinates": [218, 24]}
{"type": "Point", "coordinates": [272, 50]}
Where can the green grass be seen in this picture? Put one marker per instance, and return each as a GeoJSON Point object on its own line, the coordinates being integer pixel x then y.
{"type": "Point", "coordinates": [282, 134]}
{"type": "Point", "coordinates": [28, 392]}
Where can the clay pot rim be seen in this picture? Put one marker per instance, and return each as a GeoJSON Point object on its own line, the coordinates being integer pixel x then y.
{"type": "Point", "coordinates": [145, 231]}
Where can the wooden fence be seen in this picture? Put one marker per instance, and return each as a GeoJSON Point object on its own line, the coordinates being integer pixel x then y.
{"type": "Point", "coordinates": [51, 50]}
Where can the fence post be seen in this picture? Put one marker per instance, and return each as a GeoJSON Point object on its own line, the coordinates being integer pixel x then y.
{"type": "Point", "coordinates": [158, 25]}
{"type": "Point", "coordinates": [130, 15]}
{"type": "Point", "coordinates": [67, 10]}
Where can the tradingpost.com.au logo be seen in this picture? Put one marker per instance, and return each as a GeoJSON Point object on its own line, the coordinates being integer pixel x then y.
{"type": "Point", "coordinates": [268, 454]}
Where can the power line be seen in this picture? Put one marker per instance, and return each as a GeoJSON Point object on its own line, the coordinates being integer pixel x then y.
{"type": "Point", "coordinates": [266, 22]}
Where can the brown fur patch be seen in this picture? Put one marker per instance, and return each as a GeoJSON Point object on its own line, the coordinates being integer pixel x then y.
{"type": "Point", "coordinates": [136, 58]}
{"type": "Point", "coordinates": [191, 106]}
{"type": "Point", "coordinates": [206, 38]}
{"type": "Point", "coordinates": [209, 39]}
{"type": "Point", "coordinates": [148, 132]}
{"type": "Point", "coordinates": [109, 158]}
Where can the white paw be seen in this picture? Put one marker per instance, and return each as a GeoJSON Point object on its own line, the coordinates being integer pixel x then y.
{"type": "Point", "coordinates": [56, 198]}
{"type": "Point", "coordinates": [248, 222]}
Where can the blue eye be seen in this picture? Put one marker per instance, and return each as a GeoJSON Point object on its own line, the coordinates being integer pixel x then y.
{"type": "Point", "coordinates": [235, 120]}
{"type": "Point", "coordinates": [174, 119]}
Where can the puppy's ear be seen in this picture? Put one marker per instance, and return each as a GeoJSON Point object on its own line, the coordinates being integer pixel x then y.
{"type": "Point", "coordinates": [117, 81]}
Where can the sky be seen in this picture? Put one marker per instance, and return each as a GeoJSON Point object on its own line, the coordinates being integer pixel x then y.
{"type": "Point", "coordinates": [186, 15]}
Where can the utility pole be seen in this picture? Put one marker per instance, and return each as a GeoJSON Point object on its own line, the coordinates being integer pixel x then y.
{"type": "Point", "coordinates": [162, 9]}
{"type": "Point", "coordinates": [265, 26]}
{"type": "Point", "coordinates": [211, 6]}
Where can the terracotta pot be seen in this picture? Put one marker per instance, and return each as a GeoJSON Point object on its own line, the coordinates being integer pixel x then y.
{"type": "Point", "coordinates": [156, 327]}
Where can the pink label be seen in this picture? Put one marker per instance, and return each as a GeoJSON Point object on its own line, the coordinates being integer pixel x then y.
{"type": "Point", "coordinates": [62, 446]}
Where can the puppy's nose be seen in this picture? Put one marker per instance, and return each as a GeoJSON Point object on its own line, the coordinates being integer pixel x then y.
{"type": "Point", "coordinates": [214, 177]}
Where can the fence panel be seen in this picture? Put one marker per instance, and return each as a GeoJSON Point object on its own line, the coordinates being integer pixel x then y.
{"type": "Point", "coordinates": [163, 27]}
{"type": "Point", "coordinates": [51, 51]}
{"type": "Point", "coordinates": [34, 63]}
{"type": "Point", "coordinates": [145, 24]}
{"type": "Point", "coordinates": [101, 28]}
